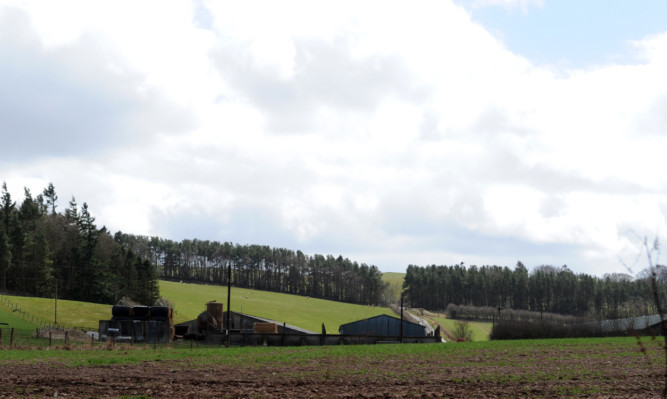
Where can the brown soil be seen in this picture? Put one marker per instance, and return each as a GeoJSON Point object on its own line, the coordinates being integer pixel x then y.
{"type": "Point", "coordinates": [548, 373]}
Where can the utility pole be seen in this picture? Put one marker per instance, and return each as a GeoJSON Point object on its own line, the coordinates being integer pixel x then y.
{"type": "Point", "coordinates": [401, 328]}
{"type": "Point", "coordinates": [229, 299]}
{"type": "Point", "coordinates": [55, 315]}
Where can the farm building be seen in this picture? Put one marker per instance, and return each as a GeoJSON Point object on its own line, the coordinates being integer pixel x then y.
{"type": "Point", "coordinates": [150, 324]}
{"type": "Point", "coordinates": [240, 322]}
{"type": "Point", "coordinates": [382, 325]}
{"type": "Point", "coordinates": [155, 325]}
{"type": "Point", "coordinates": [643, 324]}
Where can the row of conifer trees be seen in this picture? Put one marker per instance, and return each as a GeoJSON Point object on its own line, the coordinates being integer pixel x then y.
{"type": "Point", "coordinates": [543, 289]}
{"type": "Point", "coordinates": [261, 267]}
{"type": "Point", "coordinates": [65, 255]}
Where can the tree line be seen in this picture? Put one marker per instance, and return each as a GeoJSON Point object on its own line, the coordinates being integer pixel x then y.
{"type": "Point", "coordinates": [50, 254]}
{"type": "Point", "coordinates": [544, 289]}
{"type": "Point", "coordinates": [65, 255]}
{"type": "Point", "coordinates": [261, 267]}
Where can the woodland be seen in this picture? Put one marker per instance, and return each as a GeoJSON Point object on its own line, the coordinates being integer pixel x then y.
{"type": "Point", "coordinates": [261, 267]}
{"type": "Point", "coordinates": [544, 289]}
{"type": "Point", "coordinates": [47, 253]}
{"type": "Point", "coordinates": [44, 253]}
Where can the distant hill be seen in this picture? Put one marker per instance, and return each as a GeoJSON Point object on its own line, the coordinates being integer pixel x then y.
{"type": "Point", "coordinates": [395, 281]}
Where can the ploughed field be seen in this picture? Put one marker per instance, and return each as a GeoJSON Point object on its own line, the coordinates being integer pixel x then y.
{"type": "Point", "coordinates": [609, 367]}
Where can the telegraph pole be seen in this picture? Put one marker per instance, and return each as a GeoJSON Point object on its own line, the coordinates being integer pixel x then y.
{"type": "Point", "coordinates": [401, 329]}
{"type": "Point", "coordinates": [229, 296]}
{"type": "Point", "coordinates": [55, 315]}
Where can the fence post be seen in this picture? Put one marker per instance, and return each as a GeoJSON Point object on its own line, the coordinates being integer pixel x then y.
{"type": "Point", "coordinates": [49, 338]}
{"type": "Point", "coordinates": [283, 337]}
{"type": "Point", "coordinates": [0, 337]}
{"type": "Point", "coordinates": [11, 337]}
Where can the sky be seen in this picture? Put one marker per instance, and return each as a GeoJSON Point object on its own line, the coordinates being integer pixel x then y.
{"type": "Point", "coordinates": [436, 132]}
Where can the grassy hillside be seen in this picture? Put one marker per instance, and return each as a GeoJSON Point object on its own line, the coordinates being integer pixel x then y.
{"type": "Point", "coordinates": [10, 320]}
{"type": "Point", "coordinates": [395, 281]}
{"type": "Point", "coordinates": [39, 311]}
{"type": "Point", "coordinates": [190, 299]}
{"type": "Point", "coordinates": [480, 330]}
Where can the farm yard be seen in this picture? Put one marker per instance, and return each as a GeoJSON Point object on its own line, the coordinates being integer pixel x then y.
{"type": "Point", "coordinates": [32, 367]}
{"type": "Point", "coordinates": [605, 367]}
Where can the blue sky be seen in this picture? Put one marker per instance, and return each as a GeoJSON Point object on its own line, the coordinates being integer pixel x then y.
{"type": "Point", "coordinates": [477, 131]}
{"type": "Point", "coordinates": [573, 34]}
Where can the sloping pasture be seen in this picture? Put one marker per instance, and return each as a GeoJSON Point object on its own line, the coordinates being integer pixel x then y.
{"type": "Point", "coordinates": [480, 330]}
{"type": "Point", "coordinates": [395, 281]}
{"type": "Point", "coordinates": [9, 321]}
{"type": "Point", "coordinates": [190, 299]}
{"type": "Point", "coordinates": [42, 311]}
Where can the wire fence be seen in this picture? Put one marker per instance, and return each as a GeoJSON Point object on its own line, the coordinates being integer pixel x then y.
{"type": "Point", "coordinates": [11, 337]}
{"type": "Point", "coordinates": [19, 338]}
{"type": "Point", "coordinates": [41, 324]}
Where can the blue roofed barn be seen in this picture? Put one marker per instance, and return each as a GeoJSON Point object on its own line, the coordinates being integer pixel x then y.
{"type": "Point", "coordinates": [382, 325]}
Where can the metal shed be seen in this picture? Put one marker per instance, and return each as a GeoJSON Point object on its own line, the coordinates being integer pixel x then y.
{"type": "Point", "coordinates": [637, 324]}
{"type": "Point", "coordinates": [382, 325]}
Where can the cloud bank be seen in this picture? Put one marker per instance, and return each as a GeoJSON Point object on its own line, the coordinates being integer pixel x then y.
{"type": "Point", "coordinates": [392, 135]}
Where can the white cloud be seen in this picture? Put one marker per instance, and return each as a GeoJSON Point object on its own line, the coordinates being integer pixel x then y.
{"type": "Point", "coordinates": [522, 4]}
{"type": "Point", "coordinates": [383, 132]}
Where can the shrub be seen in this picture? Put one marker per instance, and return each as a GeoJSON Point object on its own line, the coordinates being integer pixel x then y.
{"type": "Point", "coordinates": [462, 331]}
{"type": "Point", "coordinates": [548, 328]}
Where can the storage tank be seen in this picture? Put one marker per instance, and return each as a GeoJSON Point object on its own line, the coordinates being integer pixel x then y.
{"type": "Point", "coordinates": [140, 312]}
{"type": "Point", "coordinates": [121, 312]}
{"type": "Point", "coordinates": [215, 309]}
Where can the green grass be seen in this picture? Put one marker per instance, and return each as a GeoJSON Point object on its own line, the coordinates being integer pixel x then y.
{"type": "Point", "coordinates": [518, 351]}
{"type": "Point", "coordinates": [395, 281]}
{"type": "Point", "coordinates": [41, 311]}
{"type": "Point", "coordinates": [23, 330]}
{"type": "Point", "coordinates": [189, 300]}
{"type": "Point", "coordinates": [480, 330]}
{"type": "Point", "coordinates": [14, 321]}
{"type": "Point", "coordinates": [526, 368]}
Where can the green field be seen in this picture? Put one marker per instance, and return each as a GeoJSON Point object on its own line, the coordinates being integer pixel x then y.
{"type": "Point", "coordinates": [23, 330]}
{"type": "Point", "coordinates": [395, 281]}
{"type": "Point", "coordinates": [480, 330]}
{"type": "Point", "coordinates": [41, 311]}
{"type": "Point", "coordinates": [203, 355]}
{"type": "Point", "coordinates": [12, 320]}
{"type": "Point", "coordinates": [190, 299]}
{"type": "Point", "coordinates": [602, 367]}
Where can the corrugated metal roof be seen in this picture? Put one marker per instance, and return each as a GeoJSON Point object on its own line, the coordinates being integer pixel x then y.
{"type": "Point", "coordinates": [382, 325]}
{"type": "Point", "coordinates": [630, 323]}
{"type": "Point", "coordinates": [264, 320]}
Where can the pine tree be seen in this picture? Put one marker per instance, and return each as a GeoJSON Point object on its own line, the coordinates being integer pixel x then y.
{"type": "Point", "coordinates": [51, 197]}
{"type": "Point", "coordinates": [5, 259]}
{"type": "Point", "coordinates": [7, 207]}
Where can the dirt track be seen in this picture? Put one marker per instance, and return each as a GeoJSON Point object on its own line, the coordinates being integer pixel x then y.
{"type": "Point", "coordinates": [550, 373]}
